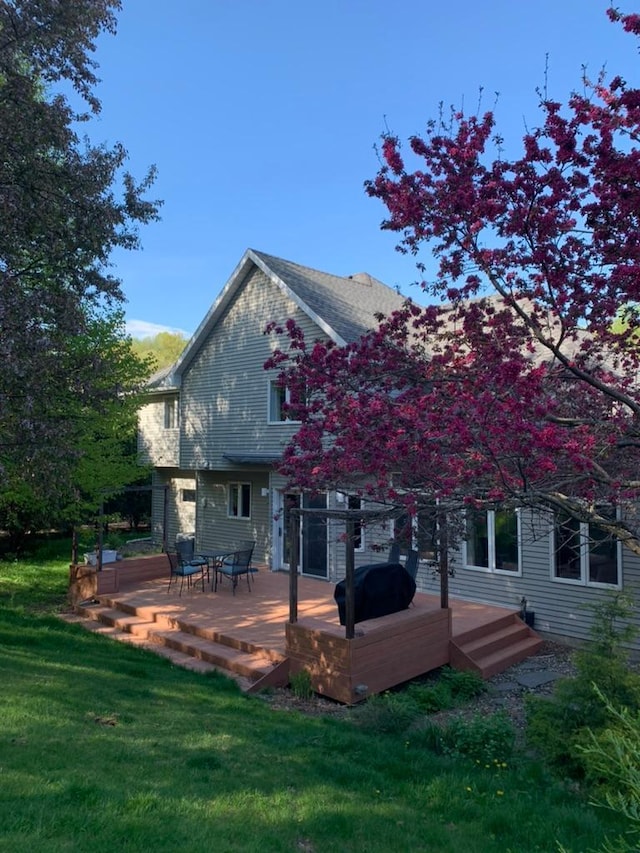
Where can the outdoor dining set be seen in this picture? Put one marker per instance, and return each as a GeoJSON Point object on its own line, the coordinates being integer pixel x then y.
{"type": "Point", "coordinates": [223, 564]}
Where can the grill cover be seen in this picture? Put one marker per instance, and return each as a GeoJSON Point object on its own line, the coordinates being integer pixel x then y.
{"type": "Point", "coordinates": [378, 589]}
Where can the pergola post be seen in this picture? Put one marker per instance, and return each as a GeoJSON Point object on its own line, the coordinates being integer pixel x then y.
{"type": "Point", "coordinates": [443, 559]}
{"type": "Point", "coordinates": [349, 591]}
{"type": "Point", "coordinates": [294, 538]}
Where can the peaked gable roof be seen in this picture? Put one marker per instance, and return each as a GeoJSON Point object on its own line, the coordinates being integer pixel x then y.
{"type": "Point", "coordinates": [344, 307]}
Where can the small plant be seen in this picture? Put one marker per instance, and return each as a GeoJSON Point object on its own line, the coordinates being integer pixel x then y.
{"type": "Point", "coordinates": [488, 740]}
{"type": "Point", "coordinates": [300, 683]}
{"type": "Point", "coordinates": [451, 688]}
{"type": "Point", "coordinates": [387, 712]}
{"type": "Point", "coordinates": [463, 685]}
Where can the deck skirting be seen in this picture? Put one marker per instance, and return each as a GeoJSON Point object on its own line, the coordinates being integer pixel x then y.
{"type": "Point", "coordinates": [87, 582]}
{"type": "Point", "coordinates": [385, 652]}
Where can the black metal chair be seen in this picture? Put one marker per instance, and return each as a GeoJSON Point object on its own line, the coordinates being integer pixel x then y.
{"type": "Point", "coordinates": [185, 549]}
{"type": "Point", "coordinates": [411, 563]}
{"type": "Point", "coordinates": [185, 570]}
{"type": "Point", "coordinates": [394, 553]}
{"type": "Point", "coordinates": [234, 566]}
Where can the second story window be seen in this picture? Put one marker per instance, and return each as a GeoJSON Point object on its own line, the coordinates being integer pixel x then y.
{"type": "Point", "coordinates": [171, 416]}
{"type": "Point", "coordinates": [277, 399]}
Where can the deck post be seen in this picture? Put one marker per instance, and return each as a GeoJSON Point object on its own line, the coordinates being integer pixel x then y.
{"type": "Point", "coordinates": [349, 592]}
{"type": "Point", "coordinates": [294, 538]}
{"type": "Point", "coordinates": [443, 560]}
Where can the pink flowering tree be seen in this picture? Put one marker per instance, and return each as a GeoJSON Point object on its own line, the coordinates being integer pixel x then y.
{"type": "Point", "coordinates": [519, 386]}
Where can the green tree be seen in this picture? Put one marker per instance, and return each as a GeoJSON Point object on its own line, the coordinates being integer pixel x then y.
{"type": "Point", "coordinates": [163, 348]}
{"type": "Point", "coordinates": [66, 205]}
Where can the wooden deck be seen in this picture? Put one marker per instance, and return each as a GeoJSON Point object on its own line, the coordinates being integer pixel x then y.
{"type": "Point", "coordinates": [248, 634]}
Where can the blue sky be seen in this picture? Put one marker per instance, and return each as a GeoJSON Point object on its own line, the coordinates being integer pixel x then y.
{"type": "Point", "coordinates": [261, 117]}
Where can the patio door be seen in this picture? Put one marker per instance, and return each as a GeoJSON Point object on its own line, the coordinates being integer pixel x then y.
{"type": "Point", "coordinates": [312, 546]}
{"type": "Point", "coordinates": [314, 537]}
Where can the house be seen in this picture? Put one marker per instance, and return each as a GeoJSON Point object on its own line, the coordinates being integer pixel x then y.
{"type": "Point", "coordinates": [214, 428]}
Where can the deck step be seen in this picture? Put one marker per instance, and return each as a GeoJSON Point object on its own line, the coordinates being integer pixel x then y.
{"type": "Point", "coordinates": [500, 660]}
{"type": "Point", "coordinates": [129, 622]}
{"type": "Point", "coordinates": [165, 636]}
{"type": "Point", "coordinates": [251, 666]}
{"type": "Point", "coordinates": [496, 640]}
{"type": "Point", "coordinates": [492, 648]}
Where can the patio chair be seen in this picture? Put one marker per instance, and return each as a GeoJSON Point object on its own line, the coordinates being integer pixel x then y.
{"type": "Point", "coordinates": [179, 568]}
{"type": "Point", "coordinates": [394, 553]}
{"type": "Point", "coordinates": [411, 563]}
{"type": "Point", "coordinates": [185, 550]}
{"type": "Point", "coordinates": [237, 564]}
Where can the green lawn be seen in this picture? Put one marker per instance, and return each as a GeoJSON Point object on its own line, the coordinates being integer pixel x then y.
{"type": "Point", "coordinates": [104, 747]}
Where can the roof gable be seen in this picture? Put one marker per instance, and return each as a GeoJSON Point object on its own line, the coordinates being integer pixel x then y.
{"type": "Point", "coordinates": [344, 307]}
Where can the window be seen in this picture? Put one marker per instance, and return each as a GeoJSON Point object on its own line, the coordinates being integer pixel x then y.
{"type": "Point", "coordinates": [583, 554]}
{"type": "Point", "coordinates": [188, 495]}
{"type": "Point", "coordinates": [278, 397]}
{"type": "Point", "coordinates": [418, 532]}
{"type": "Point", "coordinates": [354, 502]}
{"type": "Point", "coordinates": [492, 540]}
{"type": "Point", "coordinates": [239, 500]}
{"type": "Point", "coordinates": [171, 414]}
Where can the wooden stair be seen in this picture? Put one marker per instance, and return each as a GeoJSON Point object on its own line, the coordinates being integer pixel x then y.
{"type": "Point", "coordinates": [492, 648]}
{"type": "Point", "coordinates": [190, 645]}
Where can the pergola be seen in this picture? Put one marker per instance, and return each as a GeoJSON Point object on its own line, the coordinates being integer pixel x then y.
{"type": "Point", "coordinates": [351, 517]}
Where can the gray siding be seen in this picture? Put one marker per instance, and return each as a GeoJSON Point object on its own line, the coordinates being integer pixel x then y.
{"type": "Point", "coordinates": [156, 445]}
{"type": "Point", "coordinates": [560, 608]}
{"type": "Point", "coordinates": [216, 530]}
{"type": "Point", "coordinates": [225, 391]}
{"type": "Point", "coordinates": [181, 515]}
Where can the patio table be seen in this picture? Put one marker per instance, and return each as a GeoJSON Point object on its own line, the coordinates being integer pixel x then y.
{"type": "Point", "coordinates": [214, 558]}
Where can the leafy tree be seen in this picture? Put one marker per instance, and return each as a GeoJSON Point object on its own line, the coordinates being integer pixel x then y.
{"type": "Point", "coordinates": [163, 349]}
{"type": "Point", "coordinates": [66, 205]}
{"type": "Point", "coordinates": [517, 386]}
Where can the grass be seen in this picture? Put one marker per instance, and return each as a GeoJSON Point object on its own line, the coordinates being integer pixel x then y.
{"type": "Point", "coordinates": [104, 746]}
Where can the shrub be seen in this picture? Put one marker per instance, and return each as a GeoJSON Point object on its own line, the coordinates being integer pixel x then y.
{"type": "Point", "coordinates": [556, 726]}
{"type": "Point", "coordinates": [463, 685]}
{"type": "Point", "coordinates": [452, 687]}
{"type": "Point", "coordinates": [488, 740]}
{"type": "Point", "coordinates": [387, 712]}
{"type": "Point", "coordinates": [612, 761]}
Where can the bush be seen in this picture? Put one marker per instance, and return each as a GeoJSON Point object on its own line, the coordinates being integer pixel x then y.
{"type": "Point", "coordinates": [612, 761]}
{"type": "Point", "coordinates": [558, 725]}
{"type": "Point", "coordinates": [387, 712]}
{"type": "Point", "coordinates": [452, 688]}
{"type": "Point", "coordinates": [488, 740]}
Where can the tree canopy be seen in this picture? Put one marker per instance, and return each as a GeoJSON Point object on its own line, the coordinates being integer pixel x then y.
{"type": "Point", "coordinates": [162, 349]}
{"type": "Point", "coordinates": [519, 385]}
{"type": "Point", "coordinates": [66, 204]}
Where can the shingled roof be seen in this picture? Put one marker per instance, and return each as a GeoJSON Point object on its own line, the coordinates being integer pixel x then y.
{"type": "Point", "coordinates": [347, 304]}
{"type": "Point", "coordinates": [344, 307]}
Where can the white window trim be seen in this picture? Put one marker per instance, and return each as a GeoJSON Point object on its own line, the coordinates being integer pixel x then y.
{"type": "Point", "coordinates": [270, 414]}
{"type": "Point", "coordinates": [414, 540]}
{"type": "Point", "coordinates": [491, 546]}
{"type": "Point", "coordinates": [240, 485]}
{"type": "Point", "coordinates": [174, 406]}
{"type": "Point", "coordinates": [583, 580]}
